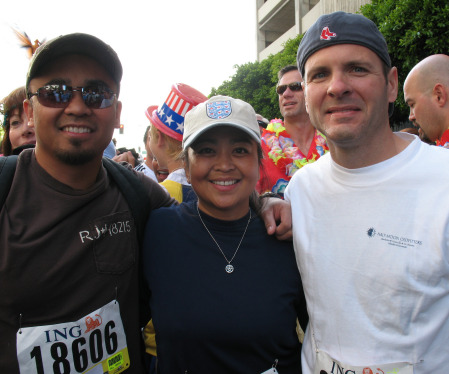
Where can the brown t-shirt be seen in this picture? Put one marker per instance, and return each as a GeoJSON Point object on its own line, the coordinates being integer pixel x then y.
{"type": "Point", "coordinates": [65, 253]}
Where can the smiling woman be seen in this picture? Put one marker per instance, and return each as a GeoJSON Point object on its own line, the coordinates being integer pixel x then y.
{"type": "Point", "coordinates": [17, 134]}
{"type": "Point", "coordinates": [225, 296]}
{"type": "Point", "coordinates": [222, 167]}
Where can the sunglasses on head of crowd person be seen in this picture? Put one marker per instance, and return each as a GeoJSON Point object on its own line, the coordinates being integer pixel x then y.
{"type": "Point", "coordinates": [60, 95]}
{"type": "Point", "coordinates": [294, 86]}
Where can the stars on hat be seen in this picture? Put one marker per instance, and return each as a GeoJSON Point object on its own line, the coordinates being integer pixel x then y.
{"type": "Point", "coordinates": [170, 120]}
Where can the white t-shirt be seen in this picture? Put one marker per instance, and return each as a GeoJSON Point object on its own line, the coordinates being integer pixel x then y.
{"type": "Point", "coordinates": [372, 246]}
{"type": "Point", "coordinates": [143, 168]}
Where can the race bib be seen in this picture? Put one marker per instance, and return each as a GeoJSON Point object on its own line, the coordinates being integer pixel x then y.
{"type": "Point", "coordinates": [326, 365]}
{"type": "Point", "coordinates": [94, 344]}
{"type": "Point", "coordinates": [273, 369]}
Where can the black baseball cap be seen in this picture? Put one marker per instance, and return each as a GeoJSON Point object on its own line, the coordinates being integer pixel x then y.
{"type": "Point", "coordinates": [342, 28]}
{"type": "Point", "coordinates": [77, 43]}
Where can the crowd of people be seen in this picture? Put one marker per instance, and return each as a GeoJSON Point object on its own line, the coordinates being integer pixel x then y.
{"type": "Point", "coordinates": [317, 243]}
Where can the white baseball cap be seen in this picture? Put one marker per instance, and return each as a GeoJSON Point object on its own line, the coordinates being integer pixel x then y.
{"type": "Point", "coordinates": [220, 111]}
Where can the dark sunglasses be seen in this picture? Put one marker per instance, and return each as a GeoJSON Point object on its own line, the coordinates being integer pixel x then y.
{"type": "Point", "coordinates": [294, 86]}
{"type": "Point", "coordinates": [60, 95]}
{"type": "Point", "coordinates": [262, 123]}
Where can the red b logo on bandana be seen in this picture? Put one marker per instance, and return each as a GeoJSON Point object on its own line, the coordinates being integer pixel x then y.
{"type": "Point", "coordinates": [326, 34]}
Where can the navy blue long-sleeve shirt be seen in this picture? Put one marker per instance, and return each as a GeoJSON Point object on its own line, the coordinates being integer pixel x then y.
{"type": "Point", "coordinates": [209, 321]}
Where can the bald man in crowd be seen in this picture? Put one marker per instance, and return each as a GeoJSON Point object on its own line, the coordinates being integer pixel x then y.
{"type": "Point", "coordinates": [426, 92]}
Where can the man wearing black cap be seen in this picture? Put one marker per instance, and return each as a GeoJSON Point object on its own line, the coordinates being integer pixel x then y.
{"type": "Point", "coordinates": [69, 300]}
{"type": "Point", "coordinates": [372, 255]}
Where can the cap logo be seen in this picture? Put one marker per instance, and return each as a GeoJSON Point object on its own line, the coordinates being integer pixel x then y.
{"type": "Point", "coordinates": [219, 109]}
{"type": "Point", "coordinates": [326, 34]}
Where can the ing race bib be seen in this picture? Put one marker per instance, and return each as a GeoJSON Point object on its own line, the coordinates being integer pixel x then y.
{"type": "Point", "coordinates": [95, 344]}
{"type": "Point", "coordinates": [327, 365]}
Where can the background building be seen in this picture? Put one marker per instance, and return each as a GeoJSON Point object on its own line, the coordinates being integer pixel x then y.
{"type": "Point", "coordinates": [280, 20]}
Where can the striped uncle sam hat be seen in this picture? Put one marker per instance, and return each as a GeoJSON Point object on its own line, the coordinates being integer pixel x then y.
{"type": "Point", "coordinates": [169, 117]}
{"type": "Point", "coordinates": [149, 112]}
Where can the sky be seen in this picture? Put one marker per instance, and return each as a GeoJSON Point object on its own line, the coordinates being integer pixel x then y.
{"type": "Point", "coordinates": [159, 42]}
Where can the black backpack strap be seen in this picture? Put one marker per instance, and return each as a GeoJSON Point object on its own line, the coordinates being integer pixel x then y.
{"type": "Point", "coordinates": [7, 170]}
{"type": "Point", "coordinates": [139, 203]}
{"type": "Point", "coordinates": [135, 194]}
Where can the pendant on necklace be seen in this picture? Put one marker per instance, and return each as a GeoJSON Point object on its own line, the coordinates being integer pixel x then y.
{"type": "Point", "coordinates": [229, 268]}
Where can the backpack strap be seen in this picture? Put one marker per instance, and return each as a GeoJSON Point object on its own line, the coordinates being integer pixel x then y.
{"type": "Point", "coordinates": [140, 205]}
{"type": "Point", "coordinates": [135, 194]}
{"type": "Point", "coordinates": [7, 171]}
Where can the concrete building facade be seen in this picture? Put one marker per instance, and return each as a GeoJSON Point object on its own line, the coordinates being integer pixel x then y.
{"type": "Point", "coordinates": [280, 20]}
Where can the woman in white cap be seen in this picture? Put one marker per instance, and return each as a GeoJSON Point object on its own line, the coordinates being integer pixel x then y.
{"type": "Point", "coordinates": [225, 296]}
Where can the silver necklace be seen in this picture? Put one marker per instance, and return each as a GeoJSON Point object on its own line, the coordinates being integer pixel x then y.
{"type": "Point", "coordinates": [229, 268]}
